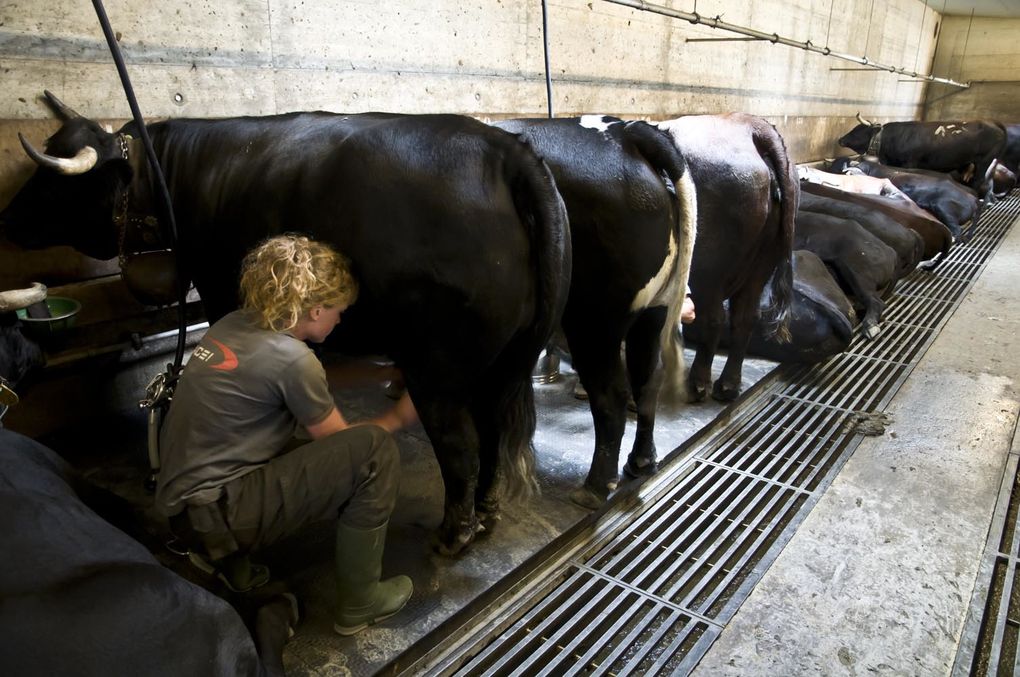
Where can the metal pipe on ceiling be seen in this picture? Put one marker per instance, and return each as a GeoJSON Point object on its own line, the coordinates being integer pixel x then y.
{"type": "Point", "coordinates": [775, 38]}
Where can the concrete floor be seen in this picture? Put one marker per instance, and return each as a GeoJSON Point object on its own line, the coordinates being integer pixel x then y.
{"type": "Point", "coordinates": [879, 576]}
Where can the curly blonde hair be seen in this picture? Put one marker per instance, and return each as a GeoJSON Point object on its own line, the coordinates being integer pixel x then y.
{"type": "Point", "coordinates": [286, 276]}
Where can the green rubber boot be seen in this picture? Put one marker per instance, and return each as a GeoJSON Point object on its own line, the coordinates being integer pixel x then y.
{"type": "Point", "coordinates": [362, 599]}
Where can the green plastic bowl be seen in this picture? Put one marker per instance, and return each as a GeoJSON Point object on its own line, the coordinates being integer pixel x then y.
{"type": "Point", "coordinates": [62, 310]}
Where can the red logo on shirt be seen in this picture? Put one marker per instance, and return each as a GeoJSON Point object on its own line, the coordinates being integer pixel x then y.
{"type": "Point", "coordinates": [229, 362]}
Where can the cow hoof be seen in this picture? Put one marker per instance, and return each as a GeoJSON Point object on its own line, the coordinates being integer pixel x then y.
{"type": "Point", "coordinates": [872, 331]}
{"type": "Point", "coordinates": [640, 467]}
{"type": "Point", "coordinates": [586, 498]}
{"type": "Point", "coordinates": [724, 393]}
{"type": "Point", "coordinates": [696, 394]}
{"type": "Point", "coordinates": [450, 541]}
{"type": "Point", "coordinates": [488, 520]}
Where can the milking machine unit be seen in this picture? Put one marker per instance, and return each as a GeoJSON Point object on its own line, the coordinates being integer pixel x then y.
{"type": "Point", "coordinates": [160, 390]}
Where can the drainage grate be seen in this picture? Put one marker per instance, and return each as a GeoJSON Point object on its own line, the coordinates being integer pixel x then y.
{"type": "Point", "coordinates": [646, 585]}
{"type": "Point", "coordinates": [990, 637]}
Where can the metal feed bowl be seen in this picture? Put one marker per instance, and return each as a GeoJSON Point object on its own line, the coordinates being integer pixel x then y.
{"type": "Point", "coordinates": [63, 312]}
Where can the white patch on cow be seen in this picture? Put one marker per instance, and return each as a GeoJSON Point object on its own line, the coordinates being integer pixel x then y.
{"type": "Point", "coordinates": [940, 130]}
{"type": "Point", "coordinates": [596, 122]}
{"type": "Point", "coordinates": [656, 291]}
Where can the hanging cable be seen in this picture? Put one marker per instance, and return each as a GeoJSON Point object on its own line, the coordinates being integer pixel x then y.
{"type": "Point", "coordinates": [157, 172]}
{"type": "Point", "coordinates": [545, 44]}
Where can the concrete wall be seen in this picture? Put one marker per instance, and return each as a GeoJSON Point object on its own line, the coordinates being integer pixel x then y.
{"type": "Point", "coordinates": [986, 53]}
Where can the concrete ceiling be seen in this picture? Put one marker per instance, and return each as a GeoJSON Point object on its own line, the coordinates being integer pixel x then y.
{"type": "Point", "coordinates": [997, 8]}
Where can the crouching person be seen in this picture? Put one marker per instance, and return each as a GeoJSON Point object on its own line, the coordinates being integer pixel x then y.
{"type": "Point", "coordinates": [233, 479]}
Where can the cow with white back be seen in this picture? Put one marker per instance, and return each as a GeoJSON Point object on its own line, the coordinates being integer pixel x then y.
{"type": "Point", "coordinates": [455, 231]}
{"type": "Point", "coordinates": [747, 199]}
{"type": "Point", "coordinates": [630, 201]}
{"type": "Point", "coordinates": [943, 146]}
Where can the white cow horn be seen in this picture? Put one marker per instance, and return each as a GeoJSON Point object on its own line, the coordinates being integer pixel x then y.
{"type": "Point", "coordinates": [79, 164]}
{"type": "Point", "coordinates": [862, 120]}
{"type": "Point", "coordinates": [22, 298]}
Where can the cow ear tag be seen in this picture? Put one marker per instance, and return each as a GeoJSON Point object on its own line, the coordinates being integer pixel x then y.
{"type": "Point", "coordinates": [8, 398]}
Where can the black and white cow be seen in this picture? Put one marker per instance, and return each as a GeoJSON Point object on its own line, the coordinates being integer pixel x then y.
{"type": "Point", "coordinates": [945, 146]}
{"type": "Point", "coordinates": [630, 200]}
{"type": "Point", "coordinates": [455, 230]}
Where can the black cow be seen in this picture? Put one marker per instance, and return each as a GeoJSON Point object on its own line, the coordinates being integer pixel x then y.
{"type": "Point", "coordinates": [907, 244]}
{"type": "Point", "coordinates": [862, 264]}
{"type": "Point", "coordinates": [80, 597]}
{"type": "Point", "coordinates": [936, 237]}
{"type": "Point", "coordinates": [950, 202]}
{"type": "Point", "coordinates": [747, 198]}
{"type": "Point", "coordinates": [1011, 157]}
{"type": "Point", "coordinates": [822, 319]}
{"type": "Point", "coordinates": [1003, 181]}
{"type": "Point", "coordinates": [18, 354]}
{"type": "Point", "coordinates": [943, 146]}
{"type": "Point", "coordinates": [455, 230]}
{"type": "Point", "coordinates": [632, 241]}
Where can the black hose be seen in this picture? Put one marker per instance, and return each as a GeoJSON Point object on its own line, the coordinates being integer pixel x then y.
{"type": "Point", "coordinates": [545, 43]}
{"type": "Point", "coordinates": [157, 172]}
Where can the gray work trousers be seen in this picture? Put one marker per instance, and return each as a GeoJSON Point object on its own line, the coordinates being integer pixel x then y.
{"type": "Point", "coordinates": [353, 474]}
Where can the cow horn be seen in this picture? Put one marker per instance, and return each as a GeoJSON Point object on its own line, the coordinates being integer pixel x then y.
{"type": "Point", "coordinates": [62, 110]}
{"type": "Point", "coordinates": [22, 298]}
{"type": "Point", "coordinates": [79, 164]}
{"type": "Point", "coordinates": [863, 121]}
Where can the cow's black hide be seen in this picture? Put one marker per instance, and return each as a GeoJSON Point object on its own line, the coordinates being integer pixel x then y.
{"type": "Point", "coordinates": [935, 235]}
{"type": "Point", "coordinates": [80, 597]}
{"type": "Point", "coordinates": [747, 199]}
{"type": "Point", "coordinates": [454, 229]}
{"type": "Point", "coordinates": [862, 264]}
{"type": "Point", "coordinates": [907, 244]}
{"type": "Point", "coordinates": [632, 240]}
{"type": "Point", "coordinates": [944, 146]}
{"type": "Point", "coordinates": [952, 203]}
{"type": "Point", "coordinates": [821, 322]}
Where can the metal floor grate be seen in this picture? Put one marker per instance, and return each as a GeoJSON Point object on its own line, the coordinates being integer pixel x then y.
{"type": "Point", "coordinates": [992, 633]}
{"type": "Point", "coordinates": [646, 585]}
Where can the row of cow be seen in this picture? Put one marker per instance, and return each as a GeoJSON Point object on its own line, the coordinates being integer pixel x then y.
{"type": "Point", "coordinates": [485, 239]}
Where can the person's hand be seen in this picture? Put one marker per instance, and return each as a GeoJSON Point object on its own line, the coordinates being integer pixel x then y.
{"type": "Point", "coordinates": [687, 310]}
{"type": "Point", "coordinates": [399, 416]}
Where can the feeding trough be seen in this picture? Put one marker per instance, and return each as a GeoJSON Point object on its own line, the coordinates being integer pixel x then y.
{"type": "Point", "coordinates": [62, 314]}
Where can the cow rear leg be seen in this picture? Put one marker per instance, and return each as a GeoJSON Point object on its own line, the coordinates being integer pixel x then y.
{"type": "Point", "coordinates": [489, 489]}
{"type": "Point", "coordinates": [602, 375]}
{"type": "Point", "coordinates": [743, 315]}
{"type": "Point", "coordinates": [643, 348]}
{"type": "Point", "coordinates": [709, 322]}
{"type": "Point", "coordinates": [455, 441]}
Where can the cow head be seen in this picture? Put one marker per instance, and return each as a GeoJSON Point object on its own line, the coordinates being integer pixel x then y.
{"type": "Point", "coordinates": [70, 198]}
{"type": "Point", "coordinates": [859, 138]}
{"type": "Point", "coordinates": [18, 355]}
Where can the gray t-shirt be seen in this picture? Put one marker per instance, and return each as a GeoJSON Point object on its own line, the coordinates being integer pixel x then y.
{"type": "Point", "coordinates": [241, 396]}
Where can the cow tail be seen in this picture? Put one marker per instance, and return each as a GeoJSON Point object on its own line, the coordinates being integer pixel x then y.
{"type": "Point", "coordinates": [658, 149]}
{"type": "Point", "coordinates": [777, 297]}
{"type": "Point", "coordinates": [541, 209]}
